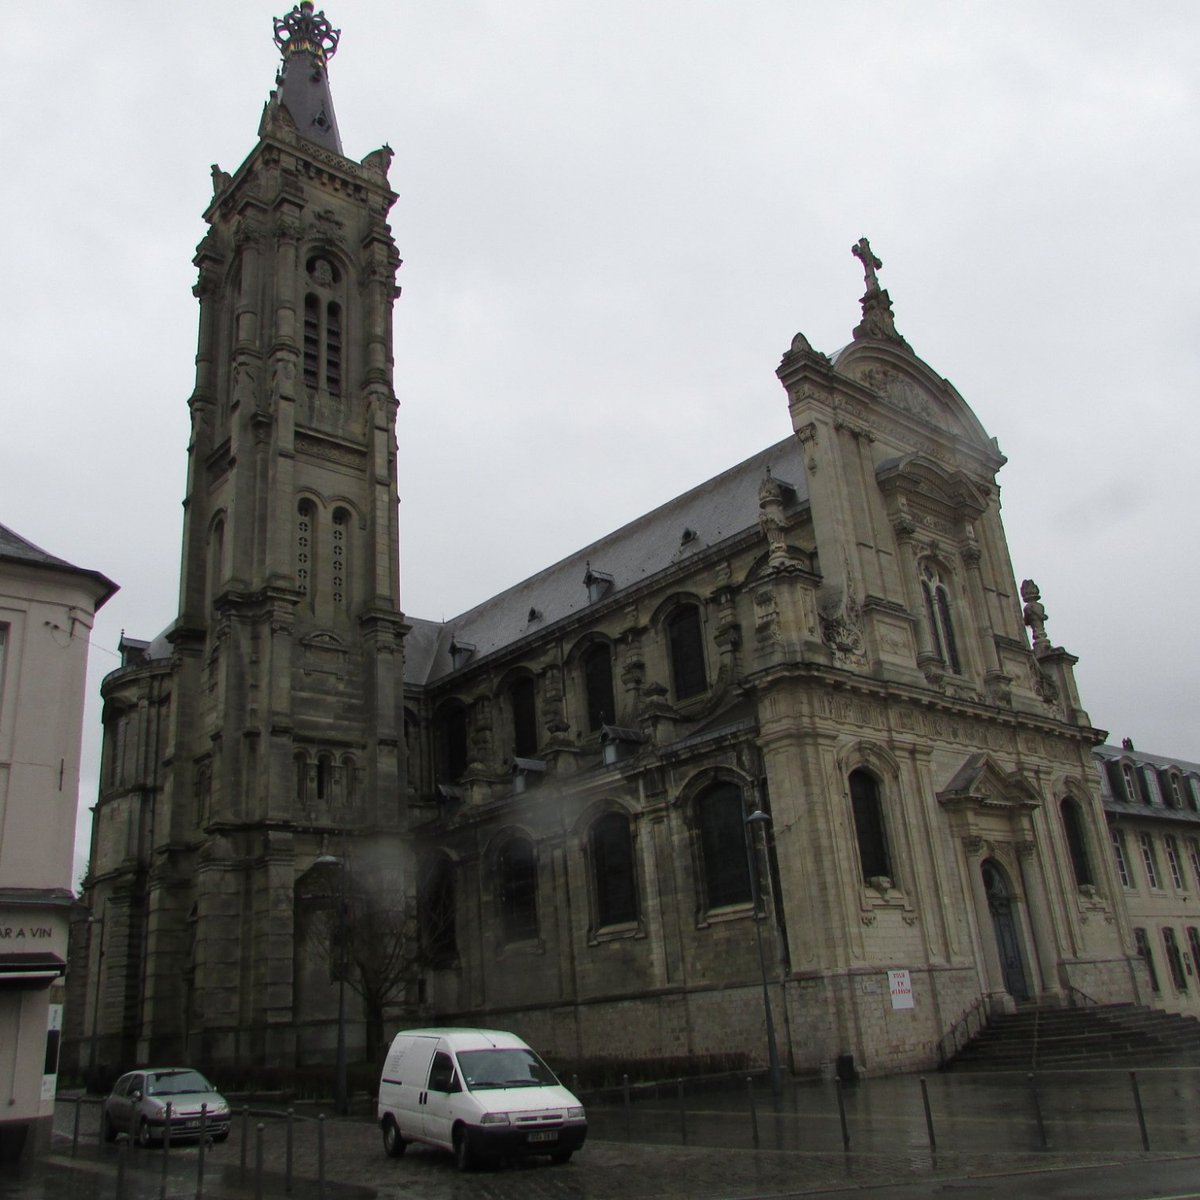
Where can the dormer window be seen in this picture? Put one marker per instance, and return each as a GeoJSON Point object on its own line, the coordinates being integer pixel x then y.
{"type": "Point", "coordinates": [460, 654]}
{"type": "Point", "coordinates": [598, 584]}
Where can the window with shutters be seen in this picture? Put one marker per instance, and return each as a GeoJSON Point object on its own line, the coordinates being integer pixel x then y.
{"type": "Point", "coordinates": [940, 617]}
{"type": "Point", "coordinates": [339, 557]}
{"type": "Point", "coordinates": [306, 521]}
{"type": "Point", "coordinates": [1149, 861]}
{"type": "Point", "coordinates": [1133, 793]}
{"type": "Point", "coordinates": [1118, 844]}
{"type": "Point", "coordinates": [1174, 866]}
{"type": "Point", "coordinates": [685, 644]}
{"type": "Point", "coordinates": [1142, 942]}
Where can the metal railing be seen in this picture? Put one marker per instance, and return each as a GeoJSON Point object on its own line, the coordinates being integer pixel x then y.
{"type": "Point", "coordinates": [972, 1021]}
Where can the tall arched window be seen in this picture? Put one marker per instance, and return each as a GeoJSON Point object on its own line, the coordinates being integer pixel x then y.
{"type": "Point", "coordinates": [523, 705]}
{"type": "Point", "coordinates": [720, 821]}
{"type": "Point", "coordinates": [685, 642]}
{"type": "Point", "coordinates": [938, 614]}
{"type": "Point", "coordinates": [612, 870]}
{"type": "Point", "coordinates": [322, 328]}
{"type": "Point", "coordinates": [450, 740]}
{"type": "Point", "coordinates": [325, 777]}
{"type": "Point", "coordinates": [869, 831]}
{"type": "Point", "coordinates": [436, 910]}
{"type": "Point", "coordinates": [300, 762]}
{"type": "Point", "coordinates": [516, 871]}
{"type": "Point", "coordinates": [306, 523]}
{"type": "Point", "coordinates": [1072, 819]}
{"type": "Point", "coordinates": [339, 557]}
{"type": "Point", "coordinates": [598, 684]}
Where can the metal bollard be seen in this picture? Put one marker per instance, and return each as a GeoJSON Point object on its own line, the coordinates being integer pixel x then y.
{"type": "Point", "coordinates": [321, 1157]}
{"type": "Point", "coordinates": [682, 1112]}
{"type": "Point", "coordinates": [75, 1132]}
{"type": "Point", "coordinates": [122, 1155]}
{"type": "Point", "coordinates": [287, 1173]}
{"type": "Point", "coordinates": [842, 1115]}
{"type": "Point", "coordinates": [625, 1090]}
{"type": "Point", "coordinates": [1141, 1115]}
{"type": "Point", "coordinates": [258, 1161]}
{"type": "Point", "coordinates": [245, 1138]}
{"type": "Point", "coordinates": [928, 1115]}
{"type": "Point", "coordinates": [1037, 1110]}
{"type": "Point", "coordinates": [166, 1148]}
{"type": "Point", "coordinates": [753, 1112]}
{"type": "Point", "coordinates": [203, 1147]}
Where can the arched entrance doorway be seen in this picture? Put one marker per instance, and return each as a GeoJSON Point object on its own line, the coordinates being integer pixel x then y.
{"type": "Point", "coordinates": [1004, 923]}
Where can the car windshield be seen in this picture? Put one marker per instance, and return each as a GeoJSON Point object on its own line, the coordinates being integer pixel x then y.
{"type": "Point", "coordinates": [503, 1069]}
{"type": "Point", "coordinates": [176, 1083]}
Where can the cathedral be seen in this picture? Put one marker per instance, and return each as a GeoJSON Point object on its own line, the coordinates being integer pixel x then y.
{"type": "Point", "coordinates": [785, 770]}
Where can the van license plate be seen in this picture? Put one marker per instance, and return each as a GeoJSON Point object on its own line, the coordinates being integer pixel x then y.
{"type": "Point", "coordinates": [547, 1136]}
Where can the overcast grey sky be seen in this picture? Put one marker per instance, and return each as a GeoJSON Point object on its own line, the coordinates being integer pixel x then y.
{"type": "Point", "coordinates": [614, 216]}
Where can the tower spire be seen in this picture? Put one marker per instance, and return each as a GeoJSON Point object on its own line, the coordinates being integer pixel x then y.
{"type": "Point", "coordinates": [307, 41]}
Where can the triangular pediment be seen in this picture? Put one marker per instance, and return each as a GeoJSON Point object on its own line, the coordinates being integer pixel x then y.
{"type": "Point", "coordinates": [981, 783]}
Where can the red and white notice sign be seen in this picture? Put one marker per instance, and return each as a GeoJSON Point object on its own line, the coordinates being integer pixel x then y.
{"type": "Point", "coordinates": [900, 985]}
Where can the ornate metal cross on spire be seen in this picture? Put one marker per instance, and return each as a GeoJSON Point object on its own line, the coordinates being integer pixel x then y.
{"type": "Point", "coordinates": [302, 30]}
{"type": "Point", "coordinates": [862, 251]}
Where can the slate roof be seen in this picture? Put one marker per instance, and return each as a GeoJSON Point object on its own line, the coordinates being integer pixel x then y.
{"type": "Point", "coordinates": [715, 511]}
{"type": "Point", "coordinates": [16, 549]}
{"type": "Point", "coordinates": [1112, 791]}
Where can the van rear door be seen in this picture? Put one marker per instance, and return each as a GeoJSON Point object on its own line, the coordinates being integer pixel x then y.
{"type": "Point", "coordinates": [410, 1078]}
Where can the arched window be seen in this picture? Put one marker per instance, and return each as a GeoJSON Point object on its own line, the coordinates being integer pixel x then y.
{"type": "Point", "coordinates": [720, 820]}
{"type": "Point", "coordinates": [516, 871]}
{"type": "Point", "coordinates": [339, 556]}
{"type": "Point", "coordinates": [450, 739]}
{"type": "Point", "coordinates": [306, 521]}
{"type": "Point", "coordinates": [1072, 819]}
{"type": "Point", "coordinates": [300, 761]}
{"type": "Point", "coordinates": [598, 683]}
{"type": "Point", "coordinates": [523, 704]}
{"type": "Point", "coordinates": [322, 328]}
{"type": "Point", "coordinates": [938, 614]}
{"type": "Point", "coordinates": [436, 908]}
{"type": "Point", "coordinates": [873, 857]}
{"type": "Point", "coordinates": [324, 777]}
{"type": "Point", "coordinates": [685, 642]}
{"type": "Point", "coordinates": [612, 870]}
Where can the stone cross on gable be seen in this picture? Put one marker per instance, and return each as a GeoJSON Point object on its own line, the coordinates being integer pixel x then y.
{"type": "Point", "coordinates": [862, 251]}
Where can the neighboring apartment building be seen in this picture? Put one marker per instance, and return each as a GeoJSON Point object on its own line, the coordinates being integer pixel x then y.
{"type": "Point", "coordinates": [829, 632]}
{"type": "Point", "coordinates": [46, 611]}
{"type": "Point", "coordinates": [1153, 808]}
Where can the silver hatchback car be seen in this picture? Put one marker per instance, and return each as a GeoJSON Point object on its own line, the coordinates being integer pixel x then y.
{"type": "Point", "coordinates": [138, 1103]}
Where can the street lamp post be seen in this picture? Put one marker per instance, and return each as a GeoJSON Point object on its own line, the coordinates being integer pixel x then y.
{"type": "Point", "coordinates": [96, 923]}
{"type": "Point", "coordinates": [758, 817]}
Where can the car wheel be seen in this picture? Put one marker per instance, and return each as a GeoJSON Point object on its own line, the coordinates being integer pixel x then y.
{"type": "Point", "coordinates": [110, 1130]}
{"type": "Point", "coordinates": [561, 1156]}
{"type": "Point", "coordinates": [464, 1159]}
{"type": "Point", "coordinates": [393, 1144]}
{"type": "Point", "coordinates": [143, 1133]}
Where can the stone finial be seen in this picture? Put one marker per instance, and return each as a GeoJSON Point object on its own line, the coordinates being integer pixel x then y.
{"type": "Point", "coordinates": [1127, 743]}
{"type": "Point", "coordinates": [877, 320]}
{"type": "Point", "coordinates": [303, 31]}
{"type": "Point", "coordinates": [1035, 615]}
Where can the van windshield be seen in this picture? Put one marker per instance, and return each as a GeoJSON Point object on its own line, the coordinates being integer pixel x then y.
{"type": "Point", "coordinates": [503, 1069]}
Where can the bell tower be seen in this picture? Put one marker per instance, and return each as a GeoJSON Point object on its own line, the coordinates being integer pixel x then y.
{"type": "Point", "coordinates": [286, 724]}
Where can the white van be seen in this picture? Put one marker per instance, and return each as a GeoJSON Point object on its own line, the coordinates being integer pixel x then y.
{"type": "Point", "coordinates": [481, 1093]}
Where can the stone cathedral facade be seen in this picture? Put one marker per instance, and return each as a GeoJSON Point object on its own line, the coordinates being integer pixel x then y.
{"type": "Point", "coordinates": [547, 797]}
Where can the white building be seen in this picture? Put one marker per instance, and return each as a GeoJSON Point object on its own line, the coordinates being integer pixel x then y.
{"type": "Point", "coordinates": [46, 611]}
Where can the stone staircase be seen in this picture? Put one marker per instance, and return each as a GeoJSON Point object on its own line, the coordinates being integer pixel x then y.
{"type": "Point", "coordinates": [1102, 1035]}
